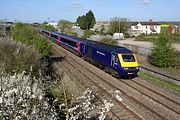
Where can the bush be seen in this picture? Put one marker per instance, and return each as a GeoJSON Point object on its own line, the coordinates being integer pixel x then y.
{"type": "Point", "coordinates": [22, 98]}
{"type": "Point", "coordinates": [109, 41]}
{"type": "Point", "coordinates": [163, 54]}
{"type": "Point", "coordinates": [48, 27]}
{"type": "Point", "coordinates": [88, 33]}
{"type": "Point", "coordinates": [17, 57]}
{"type": "Point", "coordinates": [28, 35]}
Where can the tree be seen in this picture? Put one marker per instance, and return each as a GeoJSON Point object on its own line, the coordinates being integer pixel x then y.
{"type": "Point", "coordinates": [163, 54]}
{"type": "Point", "coordinates": [119, 25]}
{"type": "Point", "coordinates": [86, 21]}
{"type": "Point", "coordinates": [64, 24]}
{"type": "Point", "coordinates": [90, 19]}
{"type": "Point", "coordinates": [81, 21]}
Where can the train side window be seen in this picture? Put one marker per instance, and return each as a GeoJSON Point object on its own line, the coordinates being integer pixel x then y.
{"type": "Point", "coordinates": [113, 57]}
{"type": "Point", "coordinates": [54, 36]}
{"type": "Point", "coordinates": [116, 60]}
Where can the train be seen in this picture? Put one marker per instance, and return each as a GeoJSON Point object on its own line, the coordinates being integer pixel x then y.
{"type": "Point", "coordinates": [117, 60]}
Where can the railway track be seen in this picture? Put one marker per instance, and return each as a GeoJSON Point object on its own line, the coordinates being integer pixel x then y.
{"type": "Point", "coordinates": [161, 75]}
{"type": "Point", "coordinates": [120, 111]}
{"type": "Point", "coordinates": [130, 85]}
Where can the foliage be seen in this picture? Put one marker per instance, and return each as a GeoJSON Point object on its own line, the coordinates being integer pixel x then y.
{"type": "Point", "coordinates": [102, 30]}
{"type": "Point", "coordinates": [119, 25]}
{"type": "Point", "coordinates": [88, 33]}
{"type": "Point", "coordinates": [22, 97]}
{"type": "Point", "coordinates": [90, 19]}
{"type": "Point", "coordinates": [176, 38]}
{"type": "Point", "coordinates": [18, 57]}
{"type": "Point", "coordinates": [81, 21]}
{"type": "Point", "coordinates": [28, 35]}
{"type": "Point", "coordinates": [164, 29]}
{"type": "Point", "coordinates": [64, 25]}
{"type": "Point", "coordinates": [163, 54]}
{"type": "Point", "coordinates": [109, 41]}
{"type": "Point", "coordinates": [164, 83]}
{"type": "Point", "coordinates": [151, 37]}
{"type": "Point", "coordinates": [86, 21]}
{"type": "Point", "coordinates": [83, 109]}
{"type": "Point", "coordinates": [48, 27]}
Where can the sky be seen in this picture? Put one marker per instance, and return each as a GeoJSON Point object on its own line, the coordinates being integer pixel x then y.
{"type": "Point", "coordinates": [104, 10]}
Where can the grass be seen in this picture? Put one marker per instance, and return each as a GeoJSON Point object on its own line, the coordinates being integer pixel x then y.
{"type": "Point", "coordinates": [152, 37]}
{"type": "Point", "coordinates": [175, 71]}
{"type": "Point", "coordinates": [161, 82]}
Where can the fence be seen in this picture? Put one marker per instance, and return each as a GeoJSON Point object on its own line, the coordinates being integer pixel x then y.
{"type": "Point", "coordinates": [137, 49]}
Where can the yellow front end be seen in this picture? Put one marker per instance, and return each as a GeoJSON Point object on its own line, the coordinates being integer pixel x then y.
{"type": "Point", "coordinates": [129, 64]}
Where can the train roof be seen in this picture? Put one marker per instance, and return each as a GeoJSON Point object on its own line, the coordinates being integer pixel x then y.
{"type": "Point", "coordinates": [69, 37]}
{"type": "Point", "coordinates": [108, 48]}
{"type": "Point", "coordinates": [95, 44]}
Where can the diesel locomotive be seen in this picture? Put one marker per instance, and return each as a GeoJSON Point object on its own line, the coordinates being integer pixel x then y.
{"type": "Point", "coordinates": [117, 60]}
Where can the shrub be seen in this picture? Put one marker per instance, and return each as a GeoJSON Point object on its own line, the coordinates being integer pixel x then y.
{"type": "Point", "coordinates": [88, 33]}
{"type": "Point", "coordinates": [163, 54]}
{"type": "Point", "coordinates": [18, 57]}
{"type": "Point", "coordinates": [48, 27]}
{"type": "Point", "coordinates": [109, 41]}
{"type": "Point", "coordinates": [28, 35]}
{"type": "Point", "coordinates": [22, 98]}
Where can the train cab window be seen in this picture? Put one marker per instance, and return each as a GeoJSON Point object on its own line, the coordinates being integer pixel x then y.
{"type": "Point", "coordinates": [128, 58]}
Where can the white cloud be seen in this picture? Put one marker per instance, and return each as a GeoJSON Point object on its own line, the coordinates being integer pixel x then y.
{"type": "Point", "coordinates": [77, 5]}
{"type": "Point", "coordinates": [147, 1]}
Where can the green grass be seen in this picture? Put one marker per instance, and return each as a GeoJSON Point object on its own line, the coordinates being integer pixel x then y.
{"type": "Point", "coordinates": [150, 38]}
{"type": "Point", "coordinates": [163, 83]}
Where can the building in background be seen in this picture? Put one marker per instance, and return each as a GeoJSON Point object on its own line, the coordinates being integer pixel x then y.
{"type": "Point", "coordinates": [138, 28]}
{"type": "Point", "coordinates": [54, 24]}
{"type": "Point", "coordinates": [174, 29]}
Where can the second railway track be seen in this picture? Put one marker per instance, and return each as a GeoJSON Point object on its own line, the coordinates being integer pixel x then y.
{"type": "Point", "coordinates": [106, 82]}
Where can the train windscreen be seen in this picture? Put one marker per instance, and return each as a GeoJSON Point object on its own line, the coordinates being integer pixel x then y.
{"type": "Point", "coordinates": [128, 58]}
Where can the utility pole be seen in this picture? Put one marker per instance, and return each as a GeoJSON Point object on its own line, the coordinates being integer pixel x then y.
{"type": "Point", "coordinates": [119, 28]}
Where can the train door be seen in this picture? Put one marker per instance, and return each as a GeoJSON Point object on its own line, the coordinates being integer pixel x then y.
{"type": "Point", "coordinates": [114, 61]}
{"type": "Point", "coordinates": [83, 48]}
{"type": "Point", "coordinates": [89, 52]}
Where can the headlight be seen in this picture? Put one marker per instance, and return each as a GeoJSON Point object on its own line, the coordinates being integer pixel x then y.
{"type": "Point", "coordinates": [126, 68]}
{"type": "Point", "coordinates": [137, 67]}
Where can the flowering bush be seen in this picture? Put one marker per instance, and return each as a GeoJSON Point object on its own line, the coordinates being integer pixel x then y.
{"type": "Point", "coordinates": [21, 97]}
{"type": "Point", "coordinates": [24, 97]}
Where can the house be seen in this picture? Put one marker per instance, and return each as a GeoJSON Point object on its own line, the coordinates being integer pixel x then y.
{"type": "Point", "coordinates": [138, 28]}
{"type": "Point", "coordinates": [54, 24]}
{"type": "Point", "coordinates": [174, 29]}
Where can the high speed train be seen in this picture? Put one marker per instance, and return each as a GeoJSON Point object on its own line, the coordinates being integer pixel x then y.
{"type": "Point", "coordinates": [117, 60]}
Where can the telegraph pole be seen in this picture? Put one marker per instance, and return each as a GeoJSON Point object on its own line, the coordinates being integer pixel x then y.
{"type": "Point", "coordinates": [119, 28]}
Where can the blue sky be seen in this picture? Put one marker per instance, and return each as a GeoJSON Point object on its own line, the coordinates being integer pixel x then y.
{"type": "Point", "coordinates": [41, 10]}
